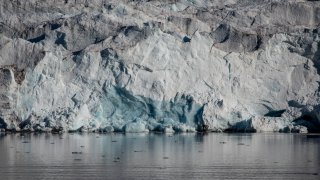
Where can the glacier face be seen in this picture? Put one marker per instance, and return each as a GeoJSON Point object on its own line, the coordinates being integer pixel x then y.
{"type": "Point", "coordinates": [171, 66]}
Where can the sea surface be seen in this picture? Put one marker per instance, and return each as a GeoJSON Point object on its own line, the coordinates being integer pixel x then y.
{"type": "Point", "coordinates": [160, 156]}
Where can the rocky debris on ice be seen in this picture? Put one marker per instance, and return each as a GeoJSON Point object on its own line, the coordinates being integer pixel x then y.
{"type": "Point", "coordinates": [170, 66]}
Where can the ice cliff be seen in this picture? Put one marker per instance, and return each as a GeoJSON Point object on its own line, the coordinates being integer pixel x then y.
{"type": "Point", "coordinates": [169, 65]}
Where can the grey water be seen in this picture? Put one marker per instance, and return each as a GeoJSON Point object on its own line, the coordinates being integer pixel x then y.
{"type": "Point", "coordinates": [160, 156]}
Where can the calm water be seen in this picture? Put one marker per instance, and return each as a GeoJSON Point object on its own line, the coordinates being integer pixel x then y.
{"type": "Point", "coordinates": [159, 156]}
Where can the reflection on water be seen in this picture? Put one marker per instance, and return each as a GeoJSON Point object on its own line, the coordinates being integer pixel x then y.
{"type": "Point", "coordinates": [159, 156]}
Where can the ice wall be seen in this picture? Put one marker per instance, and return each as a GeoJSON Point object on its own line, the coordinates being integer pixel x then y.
{"type": "Point", "coordinates": [170, 66]}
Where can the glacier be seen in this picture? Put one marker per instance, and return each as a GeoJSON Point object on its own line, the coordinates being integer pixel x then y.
{"type": "Point", "coordinates": [168, 66]}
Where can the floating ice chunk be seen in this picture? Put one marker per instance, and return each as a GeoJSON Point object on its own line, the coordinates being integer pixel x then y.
{"type": "Point", "coordinates": [183, 128]}
{"type": "Point", "coordinates": [137, 126]}
{"type": "Point", "coordinates": [168, 130]}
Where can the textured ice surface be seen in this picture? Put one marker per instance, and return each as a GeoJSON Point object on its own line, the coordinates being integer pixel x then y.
{"type": "Point", "coordinates": [138, 66]}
